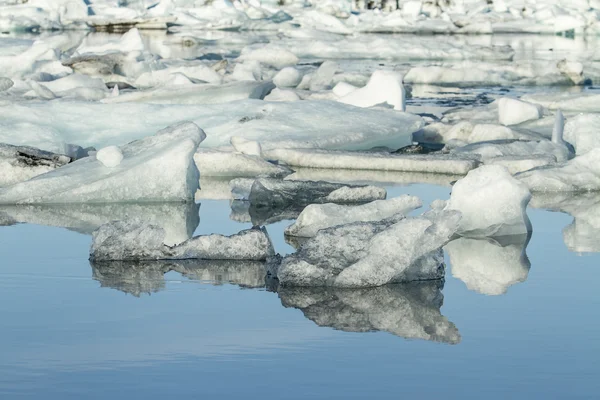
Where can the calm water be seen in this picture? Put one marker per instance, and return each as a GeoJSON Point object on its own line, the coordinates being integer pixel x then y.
{"type": "Point", "coordinates": [73, 331]}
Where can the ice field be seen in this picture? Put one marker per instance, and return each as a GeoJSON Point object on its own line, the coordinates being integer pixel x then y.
{"type": "Point", "coordinates": [299, 198]}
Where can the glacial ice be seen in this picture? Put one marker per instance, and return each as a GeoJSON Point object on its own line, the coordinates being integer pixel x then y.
{"type": "Point", "coordinates": [366, 254]}
{"type": "Point", "coordinates": [514, 112]}
{"type": "Point", "coordinates": [492, 203]}
{"type": "Point", "coordinates": [222, 163]}
{"type": "Point", "coordinates": [582, 132]}
{"type": "Point", "coordinates": [133, 240]}
{"type": "Point", "coordinates": [582, 173]}
{"type": "Point", "coordinates": [384, 87]}
{"type": "Point", "coordinates": [489, 266]}
{"type": "Point", "coordinates": [321, 216]}
{"type": "Point", "coordinates": [156, 168]}
{"type": "Point", "coordinates": [110, 156]}
{"type": "Point", "coordinates": [330, 159]}
{"type": "Point", "coordinates": [20, 163]}
{"type": "Point", "coordinates": [287, 77]}
{"type": "Point", "coordinates": [409, 310]}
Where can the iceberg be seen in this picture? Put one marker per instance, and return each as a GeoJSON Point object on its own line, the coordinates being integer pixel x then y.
{"type": "Point", "coordinates": [321, 216]}
{"type": "Point", "coordinates": [492, 203]}
{"type": "Point", "coordinates": [154, 169]}
{"type": "Point", "coordinates": [380, 161]}
{"type": "Point", "coordinates": [367, 254]}
{"type": "Point", "coordinates": [410, 310]}
{"type": "Point", "coordinates": [137, 241]}
{"type": "Point", "coordinates": [489, 266]}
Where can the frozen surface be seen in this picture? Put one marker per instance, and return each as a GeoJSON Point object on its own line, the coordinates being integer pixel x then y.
{"type": "Point", "coordinates": [223, 163]}
{"type": "Point", "coordinates": [492, 203]}
{"type": "Point", "coordinates": [321, 216]}
{"type": "Point", "coordinates": [20, 163]}
{"type": "Point", "coordinates": [156, 168]}
{"type": "Point", "coordinates": [127, 241]}
{"type": "Point", "coordinates": [582, 173]}
{"type": "Point", "coordinates": [317, 158]}
{"type": "Point", "coordinates": [366, 254]}
{"type": "Point", "coordinates": [410, 310]}
{"type": "Point", "coordinates": [489, 266]}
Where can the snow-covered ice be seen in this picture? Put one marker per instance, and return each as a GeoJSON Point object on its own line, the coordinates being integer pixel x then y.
{"type": "Point", "coordinates": [366, 254]}
{"type": "Point", "coordinates": [157, 168]}
{"type": "Point", "coordinates": [321, 216]}
{"type": "Point", "coordinates": [133, 240]}
{"type": "Point", "coordinates": [489, 266]}
{"type": "Point", "coordinates": [410, 310]}
{"type": "Point", "coordinates": [492, 203]}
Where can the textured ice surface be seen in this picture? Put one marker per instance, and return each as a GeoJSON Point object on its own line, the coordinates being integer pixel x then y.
{"type": "Point", "coordinates": [110, 156]}
{"type": "Point", "coordinates": [321, 216]}
{"type": "Point", "coordinates": [366, 254]}
{"type": "Point", "coordinates": [566, 101]}
{"type": "Point", "coordinates": [582, 173]}
{"type": "Point", "coordinates": [133, 240]}
{"type": "Point", "coordinates": [583, 132]}
{"type": "Point", "coordinates": [492, 203]}
{"type": "Point", "coordinates": [489, 266]}
{"type": "Point", "coordinates": [583, 234]}
{"type": "Point", "coordinates": [333, 125]}
{"type": "Point", "coordinates": [409, 310]}
{"type": "Point", "coordinates": [514, 112]}
{"type": "Point", "coordinates": [493, 149]}
{"type": "Point", "coordinates": [317, 158]}
{"type": "Point", "coordinates": [20, 163]}
{"type": "Point", "coordinates": [179, 220]}
{"type": "Point", "coordinates": [273, 193]}
{"type": "Point", "coordinates": [245, 146]}
{"type": "Point", "coordinates": [384, 87]}
{"type": "Point", "coordinates": [222, 163]}
{"type": "Point", "coordinates": [287, 77]}
{"type": "Point", "coordinates": [156, 168]}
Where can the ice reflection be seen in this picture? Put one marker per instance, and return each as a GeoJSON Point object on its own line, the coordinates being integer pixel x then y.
{"type": "Point", "coordinates": [147, 277]}
{"type": "Point", "coordinates": [179, 220]}
{"type": "Point", "coordinates": [490, 265]}
{"type": "Point", "coordinates": [410, 311]}
{"type": "Point", "coordinates": [583, 234]}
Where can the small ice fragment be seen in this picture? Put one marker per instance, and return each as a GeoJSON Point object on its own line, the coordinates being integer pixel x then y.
{"type": "Point", "coordinates": [514, 112]}
{"type": "Point", "coordinates": [287, 77]}
{"type": "Point", "coordinates": [110, 156]}
{"type": "Point", "coordinates": [383, 87]}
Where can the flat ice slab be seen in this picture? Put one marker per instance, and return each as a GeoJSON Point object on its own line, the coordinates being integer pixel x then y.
{"type": "Point", "coordinates": [223, 163]}
{"type": "Point", "coordinates": [154, 169]}
{"type": "Point", "coordinates": [125, 240]}
{"type": "Point", "coordinates": [433, 163]}
{"type": "Point", "coordinates": [367, 254]}
{"type": "Point", "coordinates": [409, 310]}
{"type": "Point", "coordinates": [321, 216]}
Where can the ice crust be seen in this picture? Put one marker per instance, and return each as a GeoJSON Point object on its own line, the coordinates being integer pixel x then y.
{"type": "Point", "coordinates": [367, 254]}
{"type": "Point", "coordinates": [156, 168]}
{"type": "Point", "coordinates": [321, 216]}
{"type": "Point", "coordinates": [492, 203]}
{"type": "Point", "coordinates": [132, 241]}
{"type": "Point", "coordinates": [410, 310]}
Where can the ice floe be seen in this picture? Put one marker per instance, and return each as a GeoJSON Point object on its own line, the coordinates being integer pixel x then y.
{"type": "Point", "coordinates": [156, 168]}
{"type": "Point", "coordinates": [222, 163]}
{"type": "Point", "coordinates": [132, 240]}
{"type": "Point", "coordinates": [321, 216]}
{"type": "Point", "coordinates": [492, 203]}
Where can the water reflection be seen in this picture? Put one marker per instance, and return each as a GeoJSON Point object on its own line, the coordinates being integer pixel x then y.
{"type": "Point", "coordinates": [244, 211]}
{"type": "Point", "coordinates": [410, 311]}
{"type": "Point", "coordinates": [490, 265]}
{"type": "Point", "coordinates": [179, 220]}
{"type": "Point", "coordinates": [147, 277]}
{"type": "Point", "coordinates": [583, 234]}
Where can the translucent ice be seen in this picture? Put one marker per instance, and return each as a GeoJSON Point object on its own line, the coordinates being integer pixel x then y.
{"type": "Point", "coordinates": [133, 240]}
{"type": "Point", "coordinates": [492, 203]}
{"type": "Point", "coordinates": [156, 168]}
{"type": "Point", "coordinates": [410, 310]}
{"type": "Point", "coordinates": [321, 216]}
{"type": "Point", "coordinates": [365, 254]}
{"type": "Point", "coordinates": [489, 266]}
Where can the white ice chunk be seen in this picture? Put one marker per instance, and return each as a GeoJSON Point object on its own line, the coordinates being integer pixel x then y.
{"type": "Point", "coordinates": [489, 266]}
{"type": "Point", "coordinates": [271, 55]}
{"type": "Point", "coordinates": [321, 216]}
{"type": "Point", "coordinates": [343, 88]}
{"type": "Point", "coordinates": [282, 95]}
{"type": "Point", "coordinates": [330, 159]}
{"type": "Point", "coordinates": [366, 254]}
{"type": "Point", "coordinates": [574, 70]}
{"type": "Point", "coordinates": [384, 87]}
{"type": "Point", "coordinates": [287, 77]}
{"type": "Point", "coordinates": [128, 42]}
{"type": "Point", "coordinates": [110, 156]}
{"type": "Point", "coordinates": [245, 146]}
{"type": "Point", "coordinates": [5, 84]}
{"type": "Point", "coordinates": [321, 79]}
{"type": "Point", "coordinates": [222, 163]}
{"type": "Point", "coordinates": [579, 174]}
{"type": "Point", "coordinates": [514, 112]}
{"type": "Point", "coordinates": [156, 168]}
{"type": "Point", "coordinates": [492, 203]}
{"type": "Point", "coordinates": [583, 132]}
{"type": "Point", "coordinates": [133, 240]}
